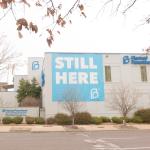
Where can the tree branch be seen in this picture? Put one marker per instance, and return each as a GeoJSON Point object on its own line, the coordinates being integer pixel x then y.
{"type": "Point", "coordinates": [13, 13]}
{"type": "Point", "coordinates": [70, 10]}
{"type": "Point", "coordinates": [129, 6]}
{"type": "Point", "coordinates": [5, 13]}
{"type": "Point", "coordinates": [103, 7]}
{"type": "Point", "coordinates": [118, 6]}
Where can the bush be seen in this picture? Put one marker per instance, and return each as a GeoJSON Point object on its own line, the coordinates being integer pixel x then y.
{"type": "Point", "coordinates": [17, 120]}
{"type": "Point", "coordinates": [50, 120]}
{"type": "Point", "coordinates": [105, 119]}
{"type": "Point", "coordinates": [127, 119]}
{"type": "Point", "coordinates": [7, 120]}
{"type": "Point", "coordinates": [137, 119]}
{"type": "Point", "coordinates": [83, 118]}
{"type": "Point", "coordinates": [63, 119]}
{"type": "Point", "coordinates": [144, 114]}
{"type": "Point", "coordinates": [97, 120]}
{"type": "Point", "coordinates": [39, 120]}
{"type": "Point", "coordinates": [117, 120]}
{"type": "Point", "coordinates": [30, 120]}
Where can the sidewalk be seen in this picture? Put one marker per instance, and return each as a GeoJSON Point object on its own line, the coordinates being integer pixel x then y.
{"type": "Point", "coordinates": [56, 128]}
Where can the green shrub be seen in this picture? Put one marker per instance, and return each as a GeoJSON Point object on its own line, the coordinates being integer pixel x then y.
{"type": "Point", "coordinates": [97, 120]}
{"type": "Point", "coordinates": [39, 120]}
{"type": "Point", "coordinates": [30, 120]}
{"type": "Point", "coordinates": [144, 114]}
{"type": "Point", "coordinates": [17, 120]}
{"type": "Point", "coordinates": [137, 119]}
{"type": "Point", "coordinates": [50, 120]}
{"type": "Point", "coordinates": [105, 119]}
{"type": "Point", "coordinates": [7, 120]}
{"type": "Point", "coordinates": [117, 120]}
{"type": "Point", "coordinates": [128, 119]}
{"type": "Point", "coordinates": [83, 118]}
{"type": "Point", "coordinates": [63, 119]}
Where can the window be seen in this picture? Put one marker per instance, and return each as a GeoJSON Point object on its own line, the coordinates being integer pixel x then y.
{"type": "Point", "coordinates": [107, 73]}
{"type": "Point", "coordinates": [143, 73]}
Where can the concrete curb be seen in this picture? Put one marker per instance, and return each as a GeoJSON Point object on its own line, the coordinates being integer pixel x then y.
{"type": "Point", "coordinates": [76, 128]}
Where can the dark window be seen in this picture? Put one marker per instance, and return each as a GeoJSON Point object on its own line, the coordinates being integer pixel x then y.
{"type": "Point", "coordinates": [107, 73]}
{"type": "Point", "coordinates": [143, 73]}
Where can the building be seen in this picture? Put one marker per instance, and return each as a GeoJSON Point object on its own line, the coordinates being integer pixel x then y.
{"type": "Point", "coordinates": [92, 76]}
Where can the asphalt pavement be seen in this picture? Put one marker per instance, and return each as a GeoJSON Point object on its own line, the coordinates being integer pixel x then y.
{"type": "Point", "coordinates": [97, 140]}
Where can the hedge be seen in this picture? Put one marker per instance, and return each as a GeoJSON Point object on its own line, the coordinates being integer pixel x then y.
{"type": "Point", "coordinates": [83, 118]}
{"type": "Point", "coordinates": [144, 114]}
{"type": "Point", "coordinates": [117, 120]}
{"type": "Point", "coordinates": [105, 119]}
{"type": "Point", "coordinates": [17, 120]}
{"type": "Point", "coordinates": [50, 120]}
{"type": "Point", "coordinates": [30, 120]}
{"type": "Point", "coordinates": [39, 120]}
{"type": "Point", "coordinates": [63, 119]}
{"type": "Point", "coordinates": [137, 119]}
{"type": "Point", "coordinates": [97, 120]}
{"type": "Point", "coordinates": [7, 120]}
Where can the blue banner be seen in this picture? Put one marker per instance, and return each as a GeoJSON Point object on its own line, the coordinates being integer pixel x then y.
{"type": "Point", "coordinates": [77, 76]}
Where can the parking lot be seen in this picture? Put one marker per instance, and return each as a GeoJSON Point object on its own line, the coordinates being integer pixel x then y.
{"type": "Point", "coordinates": [101, 140]}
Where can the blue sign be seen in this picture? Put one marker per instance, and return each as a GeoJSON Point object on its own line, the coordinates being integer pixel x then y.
{"type": "Point", "coordinates": [81, 73]}
{"type": "Point", "coordinates": [136, 60]}
{"type": "Point", "coordinates": [42, 81]}
{"type": "Point", "coordinates": [35, 65]}
{"type": "Point", "coordinates": [14, 112]}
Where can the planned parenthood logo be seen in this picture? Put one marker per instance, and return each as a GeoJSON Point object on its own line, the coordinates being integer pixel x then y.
{"type": "Point", "coordinates": [126, 59]}
{"type": "Point", "coordinates": [136, 60]}
{"type": "Point", "coordinates": [82, 72]}
{"type": "Point", "coordinates": [35, 65]}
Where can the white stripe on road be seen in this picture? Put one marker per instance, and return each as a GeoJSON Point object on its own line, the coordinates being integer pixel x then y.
{"type": "Point", "coordinates": [118, 138]}
{"type": "Point", "coordinates": [128, 148]}
{"type": "Point", "coordinates": [90, 141]}
{"type": "Point", "coordinates": [82, 134]}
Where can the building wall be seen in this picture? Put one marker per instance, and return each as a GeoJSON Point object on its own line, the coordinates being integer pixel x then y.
{"type": "Point", "coordinates": [122, 74]}
{"type": "Point", "coordinates": [8, 99]}
{"type": "Point", "coordinates": [35, 65]}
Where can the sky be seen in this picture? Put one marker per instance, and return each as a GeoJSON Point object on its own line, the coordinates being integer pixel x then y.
{"type": "Point", "coordinates": [103, 32]}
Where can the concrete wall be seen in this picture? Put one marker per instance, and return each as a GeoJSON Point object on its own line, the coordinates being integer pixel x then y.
{"type": "Point", "coordinates": [122, 74]}
{"type": "Point", "coordinates": [8, 99]}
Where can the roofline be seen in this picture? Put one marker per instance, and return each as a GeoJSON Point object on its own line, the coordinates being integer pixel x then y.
{"type": "Point", "coordinates": [35, 57]}
{"type": "Point", "coordinates": [92, 53]}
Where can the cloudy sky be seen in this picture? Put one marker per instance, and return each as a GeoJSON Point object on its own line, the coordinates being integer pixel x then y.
{"type": "Point", "coordinates": [103, 32]}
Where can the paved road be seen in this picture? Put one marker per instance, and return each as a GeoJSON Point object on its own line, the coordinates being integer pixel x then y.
{"type": "Point", "coordinates": [102, 140]}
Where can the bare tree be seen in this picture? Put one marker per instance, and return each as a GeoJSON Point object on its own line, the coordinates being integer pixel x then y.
{"type": "Point", "coordinates": [8, 57]}
{"type": "Point", "coordinates": [124, 100]}
{"type": "Point", "coordinates": [71, 103]}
